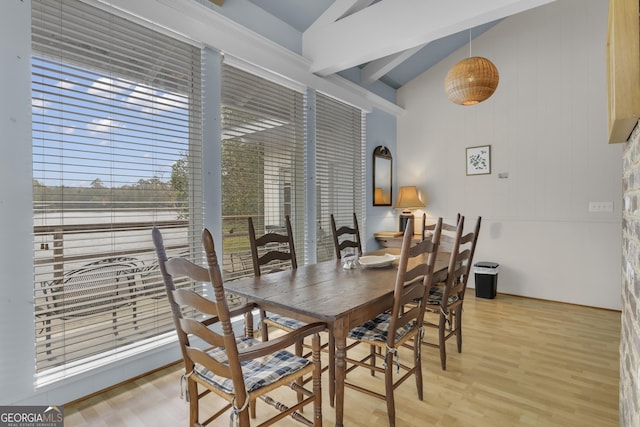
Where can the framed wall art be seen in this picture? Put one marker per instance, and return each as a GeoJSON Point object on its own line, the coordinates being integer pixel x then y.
{"type": "Point", "coordinates": [479, 160]}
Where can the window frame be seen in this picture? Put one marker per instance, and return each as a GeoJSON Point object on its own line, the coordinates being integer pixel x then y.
{"type": "Point", "coordinates": [64, 312]}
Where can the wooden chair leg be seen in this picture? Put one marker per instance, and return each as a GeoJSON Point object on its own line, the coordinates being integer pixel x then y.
{"type": "Point", "coordinates": [300, 381]}
{"type": "Point", "coordinates": [441, 341]}
{"type": "Point", "coordinates": [252, 409]}
{"type": "Point", "coordinates": [458, 319]}
{"type": "Point", "coordinates": [244, 418]}
{"type": "Point", "coordinates": [417, 360]}
{"type": "Point", "coordinates": [298, 348]}
{"type": "Point", "coordinates": [372, 359]}
{"type": "Point", "coordinates": [264, 332]}
{"type": "Point", "coordinates": [192, 390]}
{"type": "Point", "coordinates": [388, 383]}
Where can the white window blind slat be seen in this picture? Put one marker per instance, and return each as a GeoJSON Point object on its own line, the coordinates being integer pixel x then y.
{"type": "Point", "coordinates": [339, 169]}
{"type": "Point", "coordinates": [262, 164]}
{"type": "Point", "coordinates": [136, 49]}
{"type": "Point", "coordinates": [116, 150]}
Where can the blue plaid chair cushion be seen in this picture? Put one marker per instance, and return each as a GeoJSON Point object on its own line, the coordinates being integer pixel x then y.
{"type": "Point", "coordinates": [286, 322]}
{"type": "Point", "coordinates": [258, 372]}
{"type": "Point", "coordinates": [376, 329]}
{"type": "Point", "coordinates": [436, 293]}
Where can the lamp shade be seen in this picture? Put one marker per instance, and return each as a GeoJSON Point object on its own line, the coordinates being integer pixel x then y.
{"type": "Point", "coordinates": [408, 198]}
{"type": "Point", "coordinates": [471, 81]}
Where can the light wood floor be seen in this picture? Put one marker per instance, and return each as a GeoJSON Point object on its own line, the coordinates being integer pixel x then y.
{"type": "Point", "coordinates": [525, 362]}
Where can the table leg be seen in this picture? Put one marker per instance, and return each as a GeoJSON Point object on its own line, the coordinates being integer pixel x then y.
{"type": "Point", "coordinates": [332, 368]}
{"type": "Point", "coordinates": [340, 336]}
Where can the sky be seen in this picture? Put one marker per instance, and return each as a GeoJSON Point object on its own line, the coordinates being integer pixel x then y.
{"type": "Point", "coordinates": [89, 125]}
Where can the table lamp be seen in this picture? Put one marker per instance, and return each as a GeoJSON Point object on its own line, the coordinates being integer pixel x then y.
{"type": "Point", "coordinates": [408, 199]}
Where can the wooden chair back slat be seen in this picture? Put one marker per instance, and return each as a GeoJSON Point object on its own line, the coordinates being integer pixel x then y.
{"type": "Point", "coordinates": [461, 261]}
{"type": "Point", "coordinates": [345, 237]}
{"type": "Point", "coordinates": [184, 267]}
{"type": "Point", "coordinates": [448, 234]}
{"type": "Point", "coordinates": [199, 356]}
{"type": "Point", "coordinates": [271, 247]}
{"type": "Point", "coordinates": [197, 328]}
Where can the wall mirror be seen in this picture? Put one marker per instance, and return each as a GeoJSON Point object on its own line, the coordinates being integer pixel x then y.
{"type": "Point", "coordinates": [382, 178]}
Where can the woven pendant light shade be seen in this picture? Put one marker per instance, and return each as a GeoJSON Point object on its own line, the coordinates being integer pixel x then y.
{"type": "Point", "coordinates": [471, 81]}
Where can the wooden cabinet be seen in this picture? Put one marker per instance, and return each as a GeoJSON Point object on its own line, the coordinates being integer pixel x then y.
{"type": "Point", "coordinates": [623, 69]}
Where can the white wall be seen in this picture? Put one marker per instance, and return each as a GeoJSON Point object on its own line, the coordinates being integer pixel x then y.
{"type": "Point", "coordinates": [547, 127]}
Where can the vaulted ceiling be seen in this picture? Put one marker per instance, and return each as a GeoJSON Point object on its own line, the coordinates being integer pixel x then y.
{"type": "Point", "coordinates": [389, 40]}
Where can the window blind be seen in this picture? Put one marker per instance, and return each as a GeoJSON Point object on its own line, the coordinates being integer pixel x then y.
{"type": "Point", "coordinates": [116, 138]}
{"type": "Point", "coordinates": [263, 165]}
{"type": "Point", "coordinates": [339, 169]}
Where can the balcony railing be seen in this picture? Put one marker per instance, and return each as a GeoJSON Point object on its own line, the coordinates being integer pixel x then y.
{"type": "Point", "coordinates": [81, 290]}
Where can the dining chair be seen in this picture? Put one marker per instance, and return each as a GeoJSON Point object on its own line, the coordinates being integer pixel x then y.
{"type": "Point", "coordinates": [448, 234]}
{"type": "Point", "coordinates": [273, 252]}
{"type": "Point", "coordinates": [400, 325]}
{"type": "Point", "coordinates": [446, 295]}
{"type": "Point", "coordinates": [346, 237]}
{"type": "Point", "coordinates": [448, 231]}
{"type": "Point", "coordinates": [237, 369]}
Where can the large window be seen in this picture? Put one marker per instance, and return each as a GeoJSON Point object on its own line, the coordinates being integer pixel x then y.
{"type": "Point", "coordinates": [262, 164]}
{"type": "Point", "coordinates": [339, 169]}
{"type": "Point", "coordinates": [116, 151]}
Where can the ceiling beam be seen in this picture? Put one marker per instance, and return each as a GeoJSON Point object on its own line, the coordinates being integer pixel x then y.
{"type": "Point", "coordinates": [379, 67]}
{"type": "Point", "coordinates": [339, 9]}
{"type": "Point", "coordinates": [338, 40]}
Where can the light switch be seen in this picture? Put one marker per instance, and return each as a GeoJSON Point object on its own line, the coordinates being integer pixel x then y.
{"type": "Point", "coordinates": [600, 206]}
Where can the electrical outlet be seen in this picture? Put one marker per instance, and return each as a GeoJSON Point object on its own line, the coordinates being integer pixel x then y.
{"type": "Point", "coordinates": [600, 206]}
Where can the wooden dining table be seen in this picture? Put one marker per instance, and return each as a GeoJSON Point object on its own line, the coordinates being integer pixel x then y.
{"type": "Point", "coordinates": [327, 292]}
